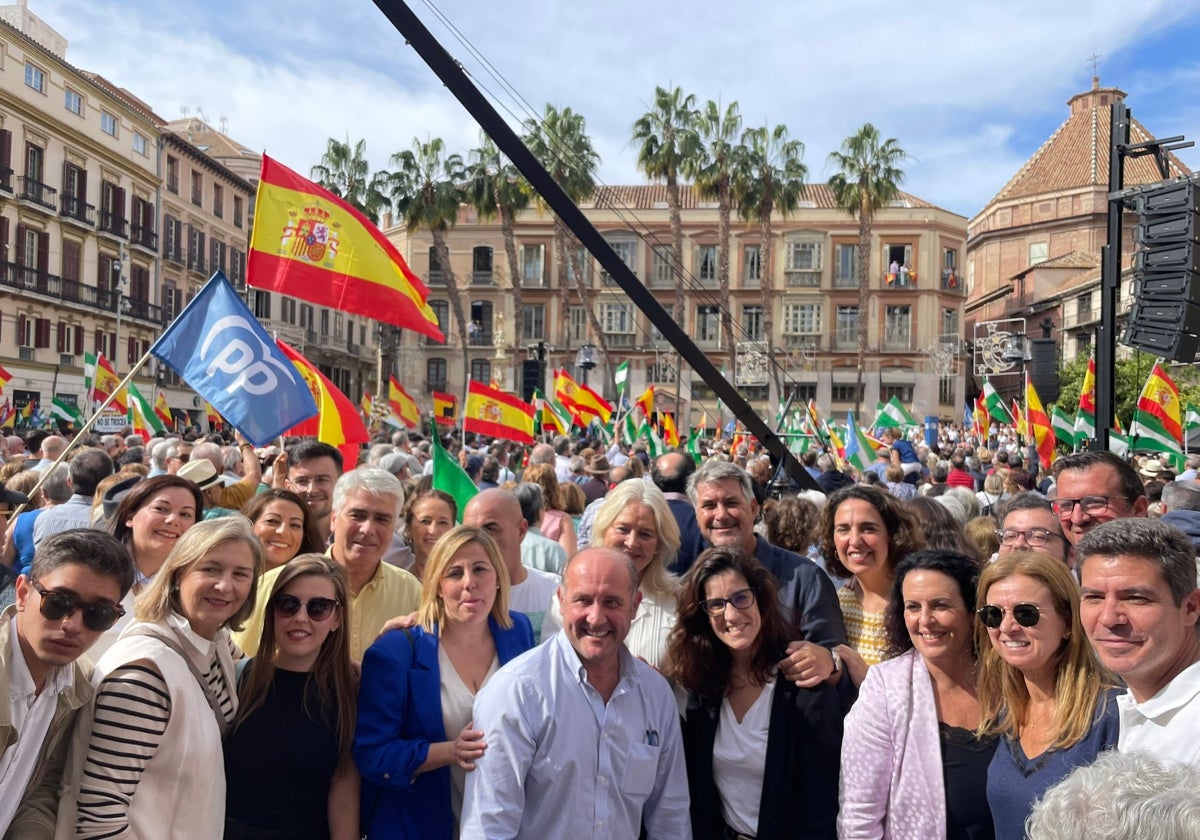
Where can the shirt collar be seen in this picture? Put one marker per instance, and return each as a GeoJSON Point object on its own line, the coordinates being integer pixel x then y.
{"type": "Point", "coordinates": [1174, 695]}
{"type": "Point", "coordinates": [181, 626]}
{"type": "Point", "coordinates": [58, 680]}
{"type": "Point", "coordinates": [571, 660]}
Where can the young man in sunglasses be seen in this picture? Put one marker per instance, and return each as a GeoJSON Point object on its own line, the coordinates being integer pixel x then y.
{"type": "Point", "coordinates": [1140, 608]}
{"type": "Point", "coordinates": [71, 595]}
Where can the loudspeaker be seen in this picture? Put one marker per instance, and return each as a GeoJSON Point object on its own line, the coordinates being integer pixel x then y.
{"type": "Point", "coordinates": [532, 376]}
{"type": "Point", "coordinates": [1168, 343]}
{"type": "Point", "coordinates": [1043, 368]}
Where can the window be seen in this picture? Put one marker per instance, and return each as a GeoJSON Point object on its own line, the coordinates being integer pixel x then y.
{"type": "Point", "coordinates": [584, 260]}
{"type": "Point", "coordinates": [108, 123]}
{"type": "Point", "coordinates": [533, 265]}
{"type": "Point", "coordinates": [481, 265]}
{"type": "Point", "coordinates": [74, 102]}
{"type": "Point", "coordinates": [949, 322]}
{"type": "Point", "coordinates": [706, 264]}
{"type": "Point", "coordinates": [660, 371]}
{"type": "Point", "coordinates": [752, 323]}
{"type": "Point", "coordinates": [751, 266]}
{"type": "Point", "coordinates": [72, 260]}
{"type": "Point", "coordinates": [946, 391]}
{"type": "Point", "coordinates": [435, 374]}
{"type": "Point", "coordinates": [708, 324]}
{"type": "Point", "coordinates": [35, 158]}
{"type": "Point", "coordinates": [441, 309]}
{"type": "Point", "coordinates": [904, 393]}
{"type": "Point", "coordinates": [306, 316]}
{"type": "Point", "coordinates": [661, 276]}
{"type": "Point", "coordinates": [173, 174]}
{"type": "Point", "coordinates": [197, 188]}
{"type": "Point", "coordinates": [577, 324]}
{"type": "Point", "coordinates": [949, 258]}
{"type": "Point", "coordinates": [218, 201]}
{"type": "Point", "coordinates": [898, 265]}
{"type": "Point", "coordinates": [846, 393]}
{"type": "Point", "coordinates": [1084, 307]}
{"type": "Point", "coordinates": [898, 327]}
{"type": "Point", "coordinates": [626, 249]}
{"type": "Point", "coordinates": [481, 317]}
{"type": "Point", "coordinates": [35, 78]}
{"type": "Point", "coordinates": [1038, 252]}
{"type": "Point", "coordinates": [800, 394]}
{"type": "Point", "coordinates": [616, 317]}
{"type": "Point", "coordinates": [845, 266]}
{"type": "Point", "coordinates": [804, 262]}
{"type": "Point", "coordinates": [237, 211]}
{"type": "Point", "coordinates": [139, 144]}
{"type": "Point", "coordinates": [288, 310]}
{"type": "Point", "coordinates": [801, 318]}
{"type": "Point", "coordinates": [481, 370]}
{"type": "Point", "coordinates": [324, 322]}
{"type": "Point", "coordinates": [846, 328]}
{"type": "Point", "coordinates": [260, 304]}
{"type": "Point", "coordinates": [534, 324]}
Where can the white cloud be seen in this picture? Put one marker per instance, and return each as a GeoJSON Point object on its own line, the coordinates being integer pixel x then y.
{"type": "Point", "coordinates": [955, 83]}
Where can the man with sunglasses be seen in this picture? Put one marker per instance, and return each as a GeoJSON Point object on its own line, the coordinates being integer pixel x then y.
{"type": "Point", "coordinates": [1140, 607]}
{"type": "Point", "coordinates": [71, 595]}
{"type": "Point", "coordinates": [1030, 524]}
{"type": "Point", "coordinates": [1093, 488]}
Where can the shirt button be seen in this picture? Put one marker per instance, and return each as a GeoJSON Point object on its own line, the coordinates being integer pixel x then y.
{"type": "Point", "coordinates": [387, 775]}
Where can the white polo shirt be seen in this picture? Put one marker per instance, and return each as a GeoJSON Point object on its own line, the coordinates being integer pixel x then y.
{"type": "Point", "coordinates": [1167, 726]}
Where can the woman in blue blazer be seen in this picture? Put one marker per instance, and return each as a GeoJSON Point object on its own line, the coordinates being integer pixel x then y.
{"type": "Point", "coordinates": [414, 740]}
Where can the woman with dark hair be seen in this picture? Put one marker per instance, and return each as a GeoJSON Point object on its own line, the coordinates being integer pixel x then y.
{"type": "Point", "coordinates": [283, 525]}
{"type": "Point", "coordinates": [940, 527]}
{"type": "Point", "coordinates": [413, 740]}
{"type": "Point", "coordinates": [150, 519]}
{"type": "Point", "coordinates": [1041, 687]}
{"type": "Point", "coordinates": [793, 523]}
{"type": "Point", "coordinates": [428, 513]}
{"type": "Point", "coordinates": [865, 532]}
{"type": "Point", "coordinates": [912, 763]}
{"type": "Point", "coordinates": [761, 753]}
{"type": "Point", "coordinates": [288, 765]}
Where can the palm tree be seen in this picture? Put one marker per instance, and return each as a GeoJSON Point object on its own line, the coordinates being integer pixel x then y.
{"type": "Point", "coordinates": [771, 178]}
{"type": "Point", "coordinates": [668, 137]}
{"type": "Point", "coordinates": [425, 186]}
{"type": "Point", "coordinates": [344, 171]}
{"type": "Point", "coordinates": [713, 170]}
{"type": "Point", "coordinates": [494, 187]}
{"type": "Point", "coordinates": [869, 177]}
{"type": "Point", "coordinates": [561, 142]}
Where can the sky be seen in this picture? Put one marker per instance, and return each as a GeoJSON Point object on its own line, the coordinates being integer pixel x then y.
{"type": "Point", "coordinates": [969, 90]}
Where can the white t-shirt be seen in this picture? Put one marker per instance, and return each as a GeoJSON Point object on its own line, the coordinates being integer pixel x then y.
{"type": "Point", "coordinates": [739, 761]}
{"type": "Point", "coordinates": [532, 596]}
{"type": "Point", "coordinates": [1168, 724]}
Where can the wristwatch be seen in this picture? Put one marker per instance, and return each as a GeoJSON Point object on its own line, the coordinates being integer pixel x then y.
{"type": "Point", "coordinates": [837, 661]}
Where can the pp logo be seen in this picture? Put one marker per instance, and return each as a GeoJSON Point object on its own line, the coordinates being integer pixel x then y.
{"type": "Point", "coordinates": [243, 355]}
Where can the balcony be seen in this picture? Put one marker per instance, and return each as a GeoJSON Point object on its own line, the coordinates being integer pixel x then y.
{"type": "Point", "coordinates": [845, 281]}
{"type": "Point", "coordinates": [76, 209]}
{"type": "Point", "coordinates": [174, 253]}
{"type": "Point", "coordinates": [898, 340]}
{"type": "Point", "coordinates": [437, 278]}
{"type": "Point", "coordinates": [310, 336]}
{"type": "Point", "coordinates": [534, 279]}
{"type": "Point", "coordinates": [1078, 316]}
{"type": "Point", "coordinates": [195, 262]}
{"type": "Point", "coordinates": [480, 338]}
{"type": "Point", "coordinates": [619, 339]}
{"type": "Point", "coordinates": [797, 278]}
{"type": "Point", "coordinates": [30, 190]}
{"type": "Point", "coordinates": [845, 341]}
{"type": "Point", "coordinates": [755, 281]}
{"type": "Point", "coordinates": [900, 280]}
{"type": "Point", "coordinates": [27, 279]}
{"type": "Point", "coordinates": [952, 282]}
{"type": "Point", "coordinates": [482, 278]}
{"type": "Point", "coordinates": [110, 222]}
{"type": "Point", "coordinates": [145, 237]}
{"type": "Point", "coordinates": [802, 341]}
{"type": "Point", "coordinates": [6, 179]}
{"type": "Point", "coordinates": [352, 348]}
{"type": "Point", "coordinates": [435, 385]}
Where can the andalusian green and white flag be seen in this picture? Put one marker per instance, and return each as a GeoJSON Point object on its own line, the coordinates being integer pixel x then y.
{"type": "Point", "coordinates": [860, 452]}
{"type": "Point", "coordinates": [693, 444]}
{"type": "Point", "coordinates": [621, 376]}
{"type": "Point", "coordinates": [144, 408]}
{"type": "Point", "coordinates": [67, 412]}
{"type": "Point", "coordinates": [994, 403]}
{"type": "Point", "coordinates": [657, 447]}
{"type": "Point", "coordinates": [894, 415]}
{"type": "Point", "coordinates": [89, 370]}
{"type": "Point", "coordinates": [1064, 426]}
{"type": "Point", "coordinates": [1191, 420]}
{"type": "Point", "coordinates": [629, 429]}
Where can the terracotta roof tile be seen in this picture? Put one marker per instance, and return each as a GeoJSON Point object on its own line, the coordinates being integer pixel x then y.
{"type": "Point", "coordinates": [654, 196]}
{"type": "Point", "coordinates": [1076, 154]}
{"type": "Point", "coordinates": [1074, 259]}
{"type": "Point", "coordinates": [1091, 277]}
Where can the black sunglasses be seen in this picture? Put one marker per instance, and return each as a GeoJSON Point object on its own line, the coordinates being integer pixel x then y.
{"type": "Point", "coordinates": [98, 616]}
{"type": "Point", "coordinates": [319, 609]}
{"type": "Point", "coordinates": [742, 599]}
{"type": "Point", "coordinates": [1027, 615]}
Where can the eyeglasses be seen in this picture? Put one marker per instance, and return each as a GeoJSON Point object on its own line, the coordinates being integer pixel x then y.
{"type": "Point", "coordinates": [743, 599]}
{"type": "Point", "coordinates": [183, 459]}
{"type": "Point", "coordinates": [318, 609]}
{"type": "Point", "coordinates": [322, 482]}
{"type": "Point", "coordinates": [98, 616]}
{"type": "Point", "coordinates": [1036, 537]}
{"type": "Point", "coordinates": [1091, 505]}
{"type": "Point", "coordinates": [1027, 615]}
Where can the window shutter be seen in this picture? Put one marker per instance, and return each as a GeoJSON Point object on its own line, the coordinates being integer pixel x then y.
{"type": "Point", "coordinates": [5, 147]}
{"type": "Point", "coordinates": [41, 330]}
{"type": "Point", "coordinates": [20, 244]}
{"type": "Point", "coordinates": [77, 346]}
{"type": "Point", "coordinates": [21, 334]}
{"type": "Point", "coordinates": [66, 181]}
{"type": "Point", "coordinates": [43, 256]}
{"type": "Point", "coordinates": [119, 212]}
{"type": "Point", "coordinates": [81, 184]}
{"type": "Point", "coordinates": [133, 345]}
{"type": "Point", "coordinates": [112, 346]}
{"type": "Point", "coordinates": [62, 337]}
{"type": "Point", "coordinates": [4, 255]}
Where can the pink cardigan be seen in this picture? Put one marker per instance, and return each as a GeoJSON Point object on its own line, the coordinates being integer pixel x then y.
{"type": "Point", "coordinates": [891, 785]}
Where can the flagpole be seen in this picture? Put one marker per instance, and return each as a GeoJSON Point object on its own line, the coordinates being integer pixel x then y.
{"type": "Point", "coordinates": [87, 426]}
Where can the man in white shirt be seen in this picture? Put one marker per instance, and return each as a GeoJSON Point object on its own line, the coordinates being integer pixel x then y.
{"type": "Point", "coordinates": [583, 739]}
{"type": "Point", "coordinates": [70, 597]}
{"type": "Point", "coordinates": [530, 590]}
{"type": "Point", "coordinates": [1140, 608]}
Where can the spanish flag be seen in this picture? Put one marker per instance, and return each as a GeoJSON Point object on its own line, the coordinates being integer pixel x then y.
{"type": "Point", "coordinates": [338, 422]}
{"type": "Point", "coordinates": [670, 433]}
{"type": "Point", "coordinates": [310, 244]}
{"type": "Point", "coordinates": [445, 408]}
{"type": "Point", "coordinates": [5, 377]}
{"type": "Point", "coordinates": [1040, 427]}
{"type": "Point", "coordinates": [106, 383]}
{"type": "Point", "coordinates": [580, 400]}
{"type": "Point", "coordinates": [646, 401]}
{"type": "Point", "coordinates": [497, 414]}
{"type": "Point", "coordinates": [163, 411]}
{"type": "Point", "coordinates": [401, 404]}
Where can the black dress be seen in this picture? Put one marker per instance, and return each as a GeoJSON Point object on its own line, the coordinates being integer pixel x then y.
{"type": "Point", "coordinates": [279, 764]}
{"type": "Point", "coordinates": [965, 761]}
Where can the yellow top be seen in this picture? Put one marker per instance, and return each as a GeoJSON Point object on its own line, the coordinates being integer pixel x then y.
{"type": "Point", "coordinates": [864, 630]}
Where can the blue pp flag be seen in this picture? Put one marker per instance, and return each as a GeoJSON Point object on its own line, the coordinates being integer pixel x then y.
{"type": "Point", "coordinates": [226, 356]}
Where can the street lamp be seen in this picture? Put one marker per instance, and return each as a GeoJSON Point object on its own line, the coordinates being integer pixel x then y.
{"type": "Point", "coordinates": [122, 282]}
{"type": "Point", "coordinates": [585, 360]}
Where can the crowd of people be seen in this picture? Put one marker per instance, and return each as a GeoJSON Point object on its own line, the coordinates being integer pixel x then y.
{"type": "Point", "coordinates": [205, 639]}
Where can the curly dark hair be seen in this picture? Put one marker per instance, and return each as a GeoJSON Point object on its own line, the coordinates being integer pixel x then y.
{"type": "Point", "coordinates": [940, 528]}
{"type": "Point", "coordinates": [904, 529]}
{"type": "Point", "coordinates": [695, 658]}
{"type": "Point", "coordinates": [963, 569]}
{"type": "Point", "coordinates": [792, 523]}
